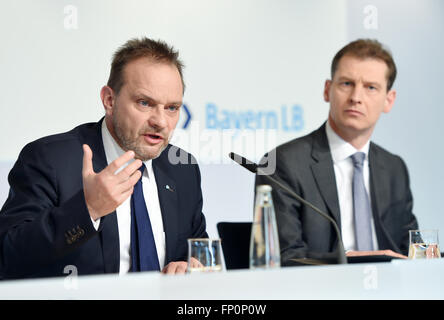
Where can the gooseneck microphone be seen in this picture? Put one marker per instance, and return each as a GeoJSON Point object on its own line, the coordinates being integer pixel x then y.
{"type": "Point", "coordinates": [255, 168]}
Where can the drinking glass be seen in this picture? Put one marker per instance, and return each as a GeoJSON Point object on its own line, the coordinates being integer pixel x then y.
{"type": "Point", "coordinates": [424, 244]}
{"type": "Point", "coordinates": [204, 255]}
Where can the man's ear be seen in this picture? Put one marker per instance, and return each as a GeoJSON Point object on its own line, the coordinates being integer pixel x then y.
{"type": "Point", "coordinates": [107, 97]}
{"type": "Point", "coordinates": [389, 101]}
{"type": "Point", "coordinates": [327, 90]}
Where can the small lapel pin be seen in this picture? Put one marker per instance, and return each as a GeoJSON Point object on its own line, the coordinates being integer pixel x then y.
{"type": "Point", "coordinates": [169, 188]}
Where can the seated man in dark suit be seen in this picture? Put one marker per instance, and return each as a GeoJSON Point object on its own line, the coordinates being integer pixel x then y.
{"type": "Point", "coordinates": [363, 187]}
{"type": "Point", "coordinates": [108, 197]}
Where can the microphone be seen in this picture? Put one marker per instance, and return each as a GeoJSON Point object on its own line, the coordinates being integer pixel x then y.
{"type": "Point", "coordinates": [255, 168]}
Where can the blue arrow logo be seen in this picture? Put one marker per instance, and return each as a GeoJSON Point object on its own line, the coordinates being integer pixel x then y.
{"type": "Point", "coordinates": [188, 113]}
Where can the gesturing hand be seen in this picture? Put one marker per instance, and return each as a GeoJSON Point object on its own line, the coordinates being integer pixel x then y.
{"type": "Point", "coordinates": [106, 190]}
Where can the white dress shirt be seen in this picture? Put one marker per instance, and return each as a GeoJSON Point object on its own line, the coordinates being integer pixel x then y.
{"type": "Point", "coordinates": [343, 167]}
{"type": "Point", "coordinates": [112, 152]}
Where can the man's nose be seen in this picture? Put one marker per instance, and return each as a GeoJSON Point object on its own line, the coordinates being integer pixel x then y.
{"type": "Point", "coordinates": [356, 94]}
{"type": "Point", "coordinates": [157, 118]}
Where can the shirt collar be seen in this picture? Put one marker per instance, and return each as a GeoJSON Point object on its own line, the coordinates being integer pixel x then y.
{"type": "Point", "coordinates": [341, 149]}
{"type": "Point", "coordinates": [113, 150]}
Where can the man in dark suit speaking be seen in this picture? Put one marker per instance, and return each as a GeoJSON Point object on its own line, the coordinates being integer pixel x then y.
{"type": "Point", "coordinates": [108, 197]}
{"type": "Point", "coordinates": [363, 187]}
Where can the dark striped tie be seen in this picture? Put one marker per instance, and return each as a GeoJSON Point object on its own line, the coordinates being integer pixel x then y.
{"type": "Point", "coordinates": [143, 247]}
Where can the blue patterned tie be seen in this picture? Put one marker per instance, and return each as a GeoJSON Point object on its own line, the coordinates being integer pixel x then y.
{"type": "Point", "coordinates": [143, 246]}
{"type": "Point", "coordinates": [361, 206]}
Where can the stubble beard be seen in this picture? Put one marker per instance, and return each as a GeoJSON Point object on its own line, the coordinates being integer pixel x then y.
{"type": "Point", "coordinates": [126, 142]}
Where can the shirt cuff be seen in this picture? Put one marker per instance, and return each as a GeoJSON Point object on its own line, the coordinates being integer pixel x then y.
{"type": "Point", "coordinates": [95, 223]}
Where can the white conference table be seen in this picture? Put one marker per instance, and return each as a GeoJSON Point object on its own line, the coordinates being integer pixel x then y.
{"type": "Point", "coordinates": [399, 279]}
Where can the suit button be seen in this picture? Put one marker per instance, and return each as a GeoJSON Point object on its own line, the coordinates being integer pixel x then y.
{"type": "Point", "coordinates": [80, 231]}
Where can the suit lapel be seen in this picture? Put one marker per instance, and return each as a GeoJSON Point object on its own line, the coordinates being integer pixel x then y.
{"type": "Point", "coordinates": [168, 199]}
{"type": "Point", "coordinates": [323, 173]}
{"type": "Point", "coordinates": [108, 229]}
{"type": "Point", "coordinates": [379, 196]}
{"type": "Point", "coordinates": [377, 178]}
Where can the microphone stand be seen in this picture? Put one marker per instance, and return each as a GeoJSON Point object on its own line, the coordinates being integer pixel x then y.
{"type": "Point", "coordinates": [253, 167]}
{"type": "Point", "coordinates": [342, 259]}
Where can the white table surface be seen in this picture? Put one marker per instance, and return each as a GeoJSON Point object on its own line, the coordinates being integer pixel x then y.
{"type": "Point", "coordinates": [399, 279]}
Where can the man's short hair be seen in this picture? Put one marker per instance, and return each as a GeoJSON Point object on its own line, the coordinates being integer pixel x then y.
{"type": "Point", "coordinates": [135, 48]}
{"type": "Point", "coordinates": [367, 48]}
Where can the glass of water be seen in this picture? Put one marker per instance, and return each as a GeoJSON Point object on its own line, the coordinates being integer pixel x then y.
{"type": "Point", "coordinates": [204, 255]}
{"type": "Point", "coordinates": [424, 244]}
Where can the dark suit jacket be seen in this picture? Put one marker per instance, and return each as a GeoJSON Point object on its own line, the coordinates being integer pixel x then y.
{"type": "Point", "coordinates": [305, 166]}
{"type": "Point", "coordinates": [45, 224]}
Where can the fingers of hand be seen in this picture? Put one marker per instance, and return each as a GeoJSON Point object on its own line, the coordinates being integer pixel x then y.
{"type": "Point", "coordinates": [129, 170]}
{"type": "Point", "coordinates": [125, 187]}
{"type": "Point", "coordinates": [113, 189]}
{"type": "Point", "coordinates": [179, 267]}
{"type": "Point", "coordinates": [131, 181]}
{"type": "Point", "coordinates": [394, 254]}
{"type": "Point", "coordinates": [87, 160]}
{"type": "Point", "coordinates": [120, 161]}
{"type": "Point", "coordinates": [124, 181]}
{"type": "Point", "coordinates": [105, 191]}
{"type": "Point", "coordinates": [194, 263]}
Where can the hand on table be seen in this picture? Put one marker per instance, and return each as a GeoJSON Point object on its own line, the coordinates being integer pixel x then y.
{"type": "Point", "coordinates": [375, 253]}
{"type": "Point", "coordinates": [180, 267]}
